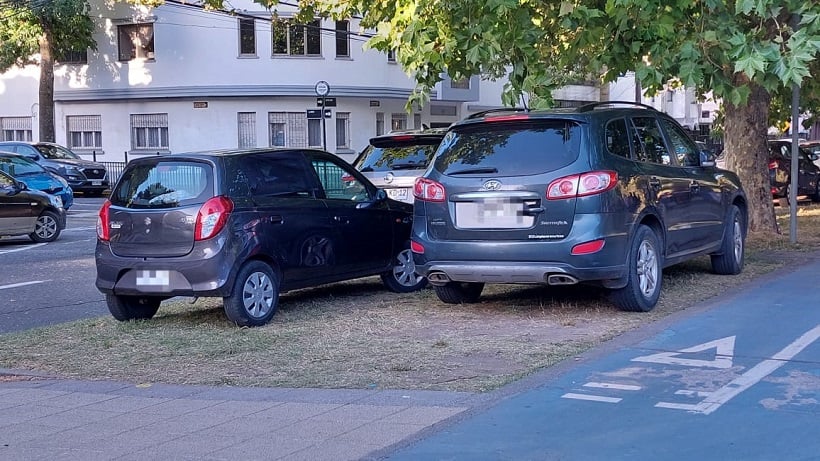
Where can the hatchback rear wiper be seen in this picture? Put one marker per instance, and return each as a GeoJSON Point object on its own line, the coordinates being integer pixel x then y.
{"type": "Point", "coordinates": [479, 170]}
{"type": "Point", "coordinates": [407, 166]}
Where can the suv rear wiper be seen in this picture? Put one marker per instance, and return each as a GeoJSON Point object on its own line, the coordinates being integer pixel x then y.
{"type": "Point", "coordinates": [479, 170]}
{"type": "Point", "coordinates": [407, 166]}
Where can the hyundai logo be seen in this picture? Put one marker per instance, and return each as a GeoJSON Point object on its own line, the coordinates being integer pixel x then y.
{"type": "Point", "coordinates": [492, 184]}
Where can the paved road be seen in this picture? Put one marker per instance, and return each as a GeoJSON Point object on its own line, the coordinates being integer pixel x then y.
{"type": "Point", "coordinates": [43, 284]}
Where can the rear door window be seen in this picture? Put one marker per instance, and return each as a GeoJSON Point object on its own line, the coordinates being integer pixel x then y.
{"type": "Point", "coordinates": [509, 149]}
{"type": "Point", "coordinates": [686, 152]}
{"type": "Point", "coordinates": [164, 184]}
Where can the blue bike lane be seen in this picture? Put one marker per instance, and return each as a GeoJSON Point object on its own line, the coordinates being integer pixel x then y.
{"type": "Point", "coordinates": [736, 380]}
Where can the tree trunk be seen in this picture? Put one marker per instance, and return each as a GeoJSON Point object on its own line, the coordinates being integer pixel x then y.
{"type": "Point", "coordinates": [46, 83]}
{"type": "Point", "coordinates": [748, 155]}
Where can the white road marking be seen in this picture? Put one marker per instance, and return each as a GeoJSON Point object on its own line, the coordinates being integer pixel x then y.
{"type": "Point", "coordinates": [594, 398]}
{"type": "Point", "coordinates": [695, 393]}
{"type": "Point", "coordinates": [724, 351]}
{"type": "Point", "coordinates": [622, 387]}
{"type": "Point", "coordinates": [27, 247]}
{"type": "Point", "coordinates": [22, 284]}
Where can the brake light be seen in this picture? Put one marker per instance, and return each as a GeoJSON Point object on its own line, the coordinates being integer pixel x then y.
{"type": "Point", "coordinates": [506, 118]}
{"type": "Point", "coordinates": [103, 232]}
{"type": "Point", "coordinates": [428, 190]}
{"type": "Point", "coordinates": [773, 165]}
{"type": "Point", "coordinates": [588, 247]}
{"type": "Point", "coordinates": [580, 185]}
{"type": "Point", "coordinates": [416, 247]}
{"type": "Point", "coordinates": [211, 217]}
{"type": "Point", "coordinates": [402, 137]}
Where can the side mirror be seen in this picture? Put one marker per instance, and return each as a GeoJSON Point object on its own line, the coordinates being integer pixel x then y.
{"type": "Point", "coordinates": [707, 158]}
{"type": "Point", "coordinates": [379, 197]}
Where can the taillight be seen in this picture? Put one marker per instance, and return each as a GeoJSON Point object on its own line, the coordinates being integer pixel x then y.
{"type": "Point", "coordinates": [587, 247]}
{"type": "Point", "coordinates": [773, 165]}
{"type": "Point", "coordinates": [103, 232]}
{"type": "Point", "coordinates": [506, 118]}
{"type": "Point", "coordinates": [580, 185]}
{"type": "Point", "coordinates": [416, 247]}
{"type": "Point", "coordinates": [429, 190]}
{"type": "Point", "coordinates": [211, 217]}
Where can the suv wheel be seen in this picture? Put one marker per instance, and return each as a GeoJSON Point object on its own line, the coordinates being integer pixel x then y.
{"type": "Point", "coordinates": [255, 295]}
{"type": "Point", "coordinates": [644, 277]}
{"type": "Point", "coordinates": [730, 260]}
{"type": "Point", "coordinates": [459, 292]}
{"type": "Point", "coordinates": [125, 308]}
{"type": "Point", "coordinates": [402, 277]}
{"type": "Point", "coordinates": [46, 228]}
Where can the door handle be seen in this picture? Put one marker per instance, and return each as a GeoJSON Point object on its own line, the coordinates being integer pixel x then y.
{"type": "Point", "coordinates": [655, 183]}
{"type": "Point", "coordinates": [276, 219]}
{"type": "Point", "coordinates": [694, 186]}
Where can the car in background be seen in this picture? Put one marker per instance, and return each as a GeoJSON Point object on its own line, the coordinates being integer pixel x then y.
{"type": "Point", "coordinates": [808, 179]}
{"type": "Point", "coordinates": [36, 177]}
{"type": "Point", "coordinates": [393, 161]}
{"type": "Point", "coordinates": [84, 176]}
{"type": "Point", "coordinates": [29, 212]}
{"type": "Point", "coordinates": [813, 146]}
{"type": "Point", "coordinates": [607, 194]}
{"type": "Point", "coordinates": [245, 225]}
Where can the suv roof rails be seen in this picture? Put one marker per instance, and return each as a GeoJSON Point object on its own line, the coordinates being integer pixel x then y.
{"type": "Point", "coordinates": [500, 109]}
{"type": "Point", "coordinates": [594, 105]}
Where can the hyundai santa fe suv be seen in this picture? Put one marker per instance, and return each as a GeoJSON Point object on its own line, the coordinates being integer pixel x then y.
{"type": "Point", "coordinates": [85, 176]}
{"type": "Point", "coordinates": [606, 194]}
{"type": "Point", "coordinates": [245, 226]}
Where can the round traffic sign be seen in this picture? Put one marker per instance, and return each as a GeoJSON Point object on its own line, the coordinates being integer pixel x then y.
{"type": "Point", "coordinates": [322, 88]}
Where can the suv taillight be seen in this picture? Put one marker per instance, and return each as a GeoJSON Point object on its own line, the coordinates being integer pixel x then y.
{"type": "Point", "coordinates": [428, 190]}
{"type": "Point", "coordinates": [102, 222]}
{"type": "Point", "coordinates": [580, 185]}
{"type": "Point", "coordinates": [212, 217]}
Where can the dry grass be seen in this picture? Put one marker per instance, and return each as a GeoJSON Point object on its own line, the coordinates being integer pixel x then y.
{"type": "Point", "coordinates": [356, 335]}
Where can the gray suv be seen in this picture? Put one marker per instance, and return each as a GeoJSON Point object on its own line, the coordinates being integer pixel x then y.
{"type": "Point", "coordinates": [606, 194]}
{"type": "Point", "coordinates": [85, 176]}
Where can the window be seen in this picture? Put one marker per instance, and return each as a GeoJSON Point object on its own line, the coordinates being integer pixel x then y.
{"type": "Point", "coordinates": [379, 123]}
{"type": "Point", "coordinates": [338, 183]}
{"type": "Point", "coordinates": [398, 122]}
{"type": "Point", "coordinates": [247, 37]}
{"type": "Point", "coordinates": [84, 132]}
{"type": "Point", "coordinates": [342, 39]}
{"type": "Point", "coordinates": [15, 128]}
{"type": "Point", "coordinates": [296, 39]}
{"type": "Point", "coordinates": [288, 129]}
{"type": "Point", "coordinates": [648, 141]}
{"type": "Point", "coordinates": [73, 57]}
{"type": "Point", "coordinates": [135, 41]}
{"type": "Point", "coordinates": [247, 129]}
{"type": "Point", "coordinates": [149, 132]}
{"type": "Point", "coordinates": [417, 121]}
{"type": "Point", "coordinates": [462, 84]}
{"type": "Point", "coordinates": [343, 130]}
{"type": "Point", "coordinates": [617, 138]}
{"type": "Point", "coordinates": [315, 138]}
{"type": "Point", "coordinates": [686, 152]}
{"type": "Point", "coordinates": [391, 56]}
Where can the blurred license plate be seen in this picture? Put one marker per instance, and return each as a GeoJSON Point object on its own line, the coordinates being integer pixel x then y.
{"type": "Point", "coordinates": [153, 278]}
{"type": "Point", "coordinates": [96, 183]}
{"type": "Point", "coordinates": [492, 214]}
{"type": "Point", "coordinates": [397, 194]}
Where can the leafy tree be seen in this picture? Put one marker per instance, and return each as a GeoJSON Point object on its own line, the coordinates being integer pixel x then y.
{"type": "Point", "coordinates": [37, 32]}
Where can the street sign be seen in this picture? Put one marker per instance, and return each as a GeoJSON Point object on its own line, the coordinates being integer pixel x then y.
{"type": "Point", "coordinates": [329, 102]}
{"type": "Point", "coordinates": [314, 113]}
{"type": "Point", "coordinates": [322, 88]}
{"type": "Point", "coordinates": [328, 113]}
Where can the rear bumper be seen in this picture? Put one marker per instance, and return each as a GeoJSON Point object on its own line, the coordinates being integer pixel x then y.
{"type": "Point", "coordinates": [518, 272]}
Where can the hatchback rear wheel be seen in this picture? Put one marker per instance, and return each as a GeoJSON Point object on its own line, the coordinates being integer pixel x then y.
{"type": "Point", "coordinates": [402, 277]}
{"type": "Point", "coordinates": [125, 308]}
{"type": "Point", "coordinates": [255, 295]}
{"type": "Point", "coordinates": [644, 277]}
{"type": "Point", "coordinates": [459, 292]}
{"type": "Point", "coordinates": [46, 228]}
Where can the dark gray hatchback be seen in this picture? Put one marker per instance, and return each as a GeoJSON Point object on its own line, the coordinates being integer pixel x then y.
{"type": "Point", "coordinates": [607, 194]}
{"type": "Point", "coordinates": [245, 226]}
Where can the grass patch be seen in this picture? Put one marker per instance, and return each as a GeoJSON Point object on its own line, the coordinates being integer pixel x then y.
{"type": "Point", "coordinates": [357, 335]}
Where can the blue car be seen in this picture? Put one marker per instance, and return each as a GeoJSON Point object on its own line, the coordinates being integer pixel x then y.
{"type": "Point", "coordinates": [36, 177]}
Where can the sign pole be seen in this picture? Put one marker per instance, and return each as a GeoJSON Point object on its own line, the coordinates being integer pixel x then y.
{"type": "Point", "coordinates": [324, 126]}
{"type": "Point", "coordinates": [322, 89]}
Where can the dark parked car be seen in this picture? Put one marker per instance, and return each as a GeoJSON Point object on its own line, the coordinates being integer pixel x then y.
{"type": "Point", "coordinates": [29, 212]}
{"type": "Point", "coordinates": [245, 226]}
{"type": "Point", "coordinates": [86, 176]}
{"type": "Point", "coordinates": [393, 161]}
{"type": "Point", "coordinates": [36, 177]}
{"type": "Point", "coordinates": [606, 194]}
{"type": "Point", "coordinates": [808, 176]}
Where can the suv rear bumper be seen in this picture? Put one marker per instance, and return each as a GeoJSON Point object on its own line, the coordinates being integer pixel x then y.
{"type": "Point", "coordinates": [550, 273]}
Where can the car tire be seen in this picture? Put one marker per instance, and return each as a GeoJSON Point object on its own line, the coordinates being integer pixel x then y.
{"type": "Point", "coordinates": [93, 193]}
{"type": "Point", "coordinates": [402, 277]}
{"type": "Point", "coordinates": [46, 228]}
{"type": "Point", "coordinates": [125, 308]}
{"type": "Point", "coordinates": [644, 274]}
{"type": "Point", "coordinates": [731, 257]}
{"type": "Point", "coordinates": [459, 292]}
{"type": "Point", "coordinates": [255, 296]}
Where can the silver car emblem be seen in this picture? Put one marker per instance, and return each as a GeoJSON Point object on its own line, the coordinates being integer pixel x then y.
{"type": "Point", "coordinates": [147, 221]}
{"type": "Point", "coordinates": [389, 178]}
{"type": "Point", "coordinates": [492, 184]}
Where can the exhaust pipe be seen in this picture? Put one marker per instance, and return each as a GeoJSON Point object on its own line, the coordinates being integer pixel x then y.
{"type": "Point", "coordinates": [561, 279]}
{"type": "Point", "coordinates": [438, 278]}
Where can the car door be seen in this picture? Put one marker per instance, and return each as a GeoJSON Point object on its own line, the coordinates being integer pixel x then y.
{"type": "Point", "coordinates": [363, 221]}
{"type": "Point", "coordinates": [17, 210]}
{"type": "Point", "coordinates": [705, 211]}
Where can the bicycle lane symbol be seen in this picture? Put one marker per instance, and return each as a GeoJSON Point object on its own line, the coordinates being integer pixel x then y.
{"type": "Point", "coordinates": [714, 371]}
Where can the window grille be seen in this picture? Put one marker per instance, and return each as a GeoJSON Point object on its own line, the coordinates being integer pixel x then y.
{"type": "Point", "coordinates": [84, 131]}
{"type": "Point", "coordinates": [246, 129]}
{"type": "Point", "coordinates": [15, 128]}
{"type": "Point", "coordinates": [343, 130]}
{"type": "Point", "coordinates": [149, 132]}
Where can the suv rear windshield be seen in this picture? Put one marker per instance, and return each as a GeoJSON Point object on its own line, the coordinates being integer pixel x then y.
{"type": "Point", "coordinates": [509, 148]}
{"type": "Point", "coordinates": [397, 155]}
{"type": "Point", "coordinates": [165, 184]}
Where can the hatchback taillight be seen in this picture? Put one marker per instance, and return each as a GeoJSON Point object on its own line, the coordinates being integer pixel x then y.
{"type": "Point", "coordinates": [773, 165]}
{"type": "Point", "coordinates": [428, 190]}
{"type": "Point", "coordinates": [212, 217]}
{"type": "Point", "coordinates": [579, 185]}
{"type": "Point", "coordinates": [102, 222]}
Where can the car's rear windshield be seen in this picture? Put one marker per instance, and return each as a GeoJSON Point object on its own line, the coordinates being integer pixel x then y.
{"type": "Point", "coordinates": [509, 149]}
{"type": "Point", "coordinates": [165, 184]}
{"type": "Point", "coordinates": [407, 155]}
